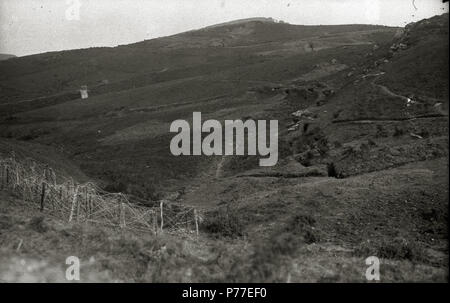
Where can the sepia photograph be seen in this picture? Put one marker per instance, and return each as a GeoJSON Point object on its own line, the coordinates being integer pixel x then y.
{"type": "Point", "coordinates": [224, 142]}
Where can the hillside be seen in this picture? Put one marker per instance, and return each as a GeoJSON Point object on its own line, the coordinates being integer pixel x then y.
{"type": "Point", "coordinates": [202, 52]}
{"type": "Point", "coordinates": [363, 143]}
{"type": "Point", "coordinates": [152, 83]}
{"type": "Point", "coordinates": [6, 56]}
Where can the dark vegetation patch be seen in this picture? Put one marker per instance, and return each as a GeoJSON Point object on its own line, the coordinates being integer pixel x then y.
{"type": "Point", "coordinates": [39, 224]}
{"type": "Point", "coordinates": [224, 222]}
{"type": "Point", "coordinates": [367, 157]}
{"type": "Point", "coordinates": [310, 146]}
{"type": "Point", "coordinates": [421, 69]}
{"type": "Point", "coordinates": [144, 167]}
{"type": "Point", "coordinates": [302, 227]}
{"type": "Point", "coordinates": [398, 248]}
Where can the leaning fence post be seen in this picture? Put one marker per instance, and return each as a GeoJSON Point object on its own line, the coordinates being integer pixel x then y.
{"type": "Point", "coordinates": [2, 176]}
{"type": "Point", "coordinates": [90, 206]}
{"type": "Point", "coordinates": [86, 202]}
{"type": "Point", "coordinates": [74, 200]}
{"type": "Point", "coordinates": [155, 222]}
{"type": "Point", "coordinates": [78, 210]}
{"type": "Point", "coordinates": [162, 219]}
{"type": "Point", "coordinates": [24, 194]}
{"type": "Point", "coordinates": [16, 181]}
{"type": "Point", "coordinates": [196, 221]}
{"type": "Point", "coordinates": [43, 196]}
{"type": "Point", "coordinates": [121, 214]}
{"type": "Point", "coordinates": [7, 176]}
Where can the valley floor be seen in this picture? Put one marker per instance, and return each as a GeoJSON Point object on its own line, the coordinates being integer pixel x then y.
{"type": "Point", "coordinates": [362, 117]}
{"type": "Point", "coordinates": [325, 230]}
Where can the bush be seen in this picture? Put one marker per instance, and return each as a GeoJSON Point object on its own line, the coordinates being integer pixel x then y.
{"type": "Point", "coordinates": [371, 142]}
{"type": "Point", "coordinates": [303, 226]}
{"type": "Point", "coordinates": [38, 224]}
{"type": "Point", "coordinates": [224, 222]}
{"type": "Point", "coordinates": [397, 248]}
{"type": "Point", "coordinates": [398, 132]}
{"type": "Point", "coordinates": [314, 139]}
{"type": "Point", "coordinates": [116, 187]}
{"type": "Point", "coordinates": [381, 132]}
{"type": "Point", "coordinates": [270, 258]}
{"type": "Point", "coordinates": [331, 168]}
{"type": "Point", "coordinates": [282, 244]}
{"type": "Point", "coordinates": [424, 133]}
{"type": "Point", "coordinates": [336, 114]}
{"type": "Point", "coordinates": [337, 144]}
{"type": "Point", "coordinates": [268, 262]}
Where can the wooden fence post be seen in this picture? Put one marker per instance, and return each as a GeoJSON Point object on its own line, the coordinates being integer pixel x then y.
{"type": "Point", "coordinates": [196, 221]}
{"type": "Point", "coordinates": [78, 209]}
{"type": "Point", "coordinates": [24, 193]}
{"type": "Point", "coordinates": [7, 176]}
{"type": "Point", "coordinates": [90, 206]}
{"type": "Point", "coordinates": [161, 205]}
{"type": "Point", "coordinates": [2, 175]}
{"type": "Point", "coordinates": [74, 200]}
{"type": "Point", "coordinates": [155, 222]}
{"type": "Point", "coordinates": [16, 181]}
{"type": "Point", "coordinates": [121, 214]}
{"type": "Point", "coordinates": [86, 202]}
{"type": "Point", "coordinates": [43, 196]}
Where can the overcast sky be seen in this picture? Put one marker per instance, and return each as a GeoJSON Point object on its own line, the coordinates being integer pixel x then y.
{"type": "Point", "coordinates": [36, 26]}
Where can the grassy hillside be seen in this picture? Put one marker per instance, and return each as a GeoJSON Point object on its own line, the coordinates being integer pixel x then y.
{"type": "Point", "coordinates": [192, 53]}
{"type": "Point", "coordinates": [363, 143]}
{"type": "Point", "coordinates": [422, 68]}
{"type": "Point", "coordinates": [6, 57]}
{"type": "Point", "coordinates": [154, 82]}
{"type": "Point", "coordinates": [320, 231]}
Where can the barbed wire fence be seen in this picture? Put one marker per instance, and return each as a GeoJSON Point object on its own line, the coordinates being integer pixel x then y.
{"type": "Point", "coordinates": [39, 185]}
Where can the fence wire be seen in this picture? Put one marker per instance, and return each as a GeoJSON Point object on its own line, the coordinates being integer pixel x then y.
{"type": "Point", "coordinates": [68, 200]}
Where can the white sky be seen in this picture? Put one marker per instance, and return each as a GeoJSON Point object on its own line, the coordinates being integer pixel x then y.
{"type": "Point", "coordinates": [35, 26]}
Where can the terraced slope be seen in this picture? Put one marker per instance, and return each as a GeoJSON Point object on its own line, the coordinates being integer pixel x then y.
{"type": "Point", "coordinates": [363, 169]}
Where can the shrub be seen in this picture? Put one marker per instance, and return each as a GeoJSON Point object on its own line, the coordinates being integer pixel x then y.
{"type": "Point", "coordinates": [371, 142]}
{"type": "Point", "coordinates": [397, 248]}
{"type": "Point", "coordinates": [313, 139]}
{"type": "Point", "coordinates": [337, 144]}
{"type": "Point", "coordinates": [337, 113]}
{"type": "Point", "coordinates": [302, 225]}
{"type": "Point", "coordinates": [268, 261]}
{"type": "Point", "coordinates": [225, 222]}
{"type": "Point", "coordinates": [116, 187]}
{"type": "Point", "coordinates": [282, 244]}
{"type": "Point", "coordinates": [424, 133]}
{"type": "Point", "coordinates": [38, 224]}
{"type": "Point", "coordinates": [381, 132]}
{"type": "Point", "coordinates": [322, 145]}
{"type": "Point", "coordinates": [398, 132]}
{"type": "Point", "coordinates": [331, 168]}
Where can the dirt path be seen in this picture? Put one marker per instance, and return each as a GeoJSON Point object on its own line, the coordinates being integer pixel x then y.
{"type": "Point", "coordinates": [219, 168]}
{"type": "Point", "coordinates": [390, 93]}
{"type": "Point", "coordinates": [368, 121]}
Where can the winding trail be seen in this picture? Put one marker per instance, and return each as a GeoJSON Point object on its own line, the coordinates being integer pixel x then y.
{"type": "Point", "coordinates": [388, 92]}
{"type": "Point", "coordinates": [368, 121]}
{"type": "Point", "coordinates": [219, 168]}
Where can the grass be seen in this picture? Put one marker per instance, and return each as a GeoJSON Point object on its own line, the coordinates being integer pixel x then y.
{"type": "Point", "coordinates": [398, 249]}
{"type": "Point", "coordinates": [225, 222]}
{"type": "Point", "coordinates": [390, 198]}
{"type": "Point", "coordinates": [237, 244]}
{"type": "Point", "coordinates": [194, 77]}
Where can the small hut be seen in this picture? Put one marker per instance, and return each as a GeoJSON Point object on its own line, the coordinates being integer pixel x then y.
{"type": "Point", "coordinates": [84, 92]}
